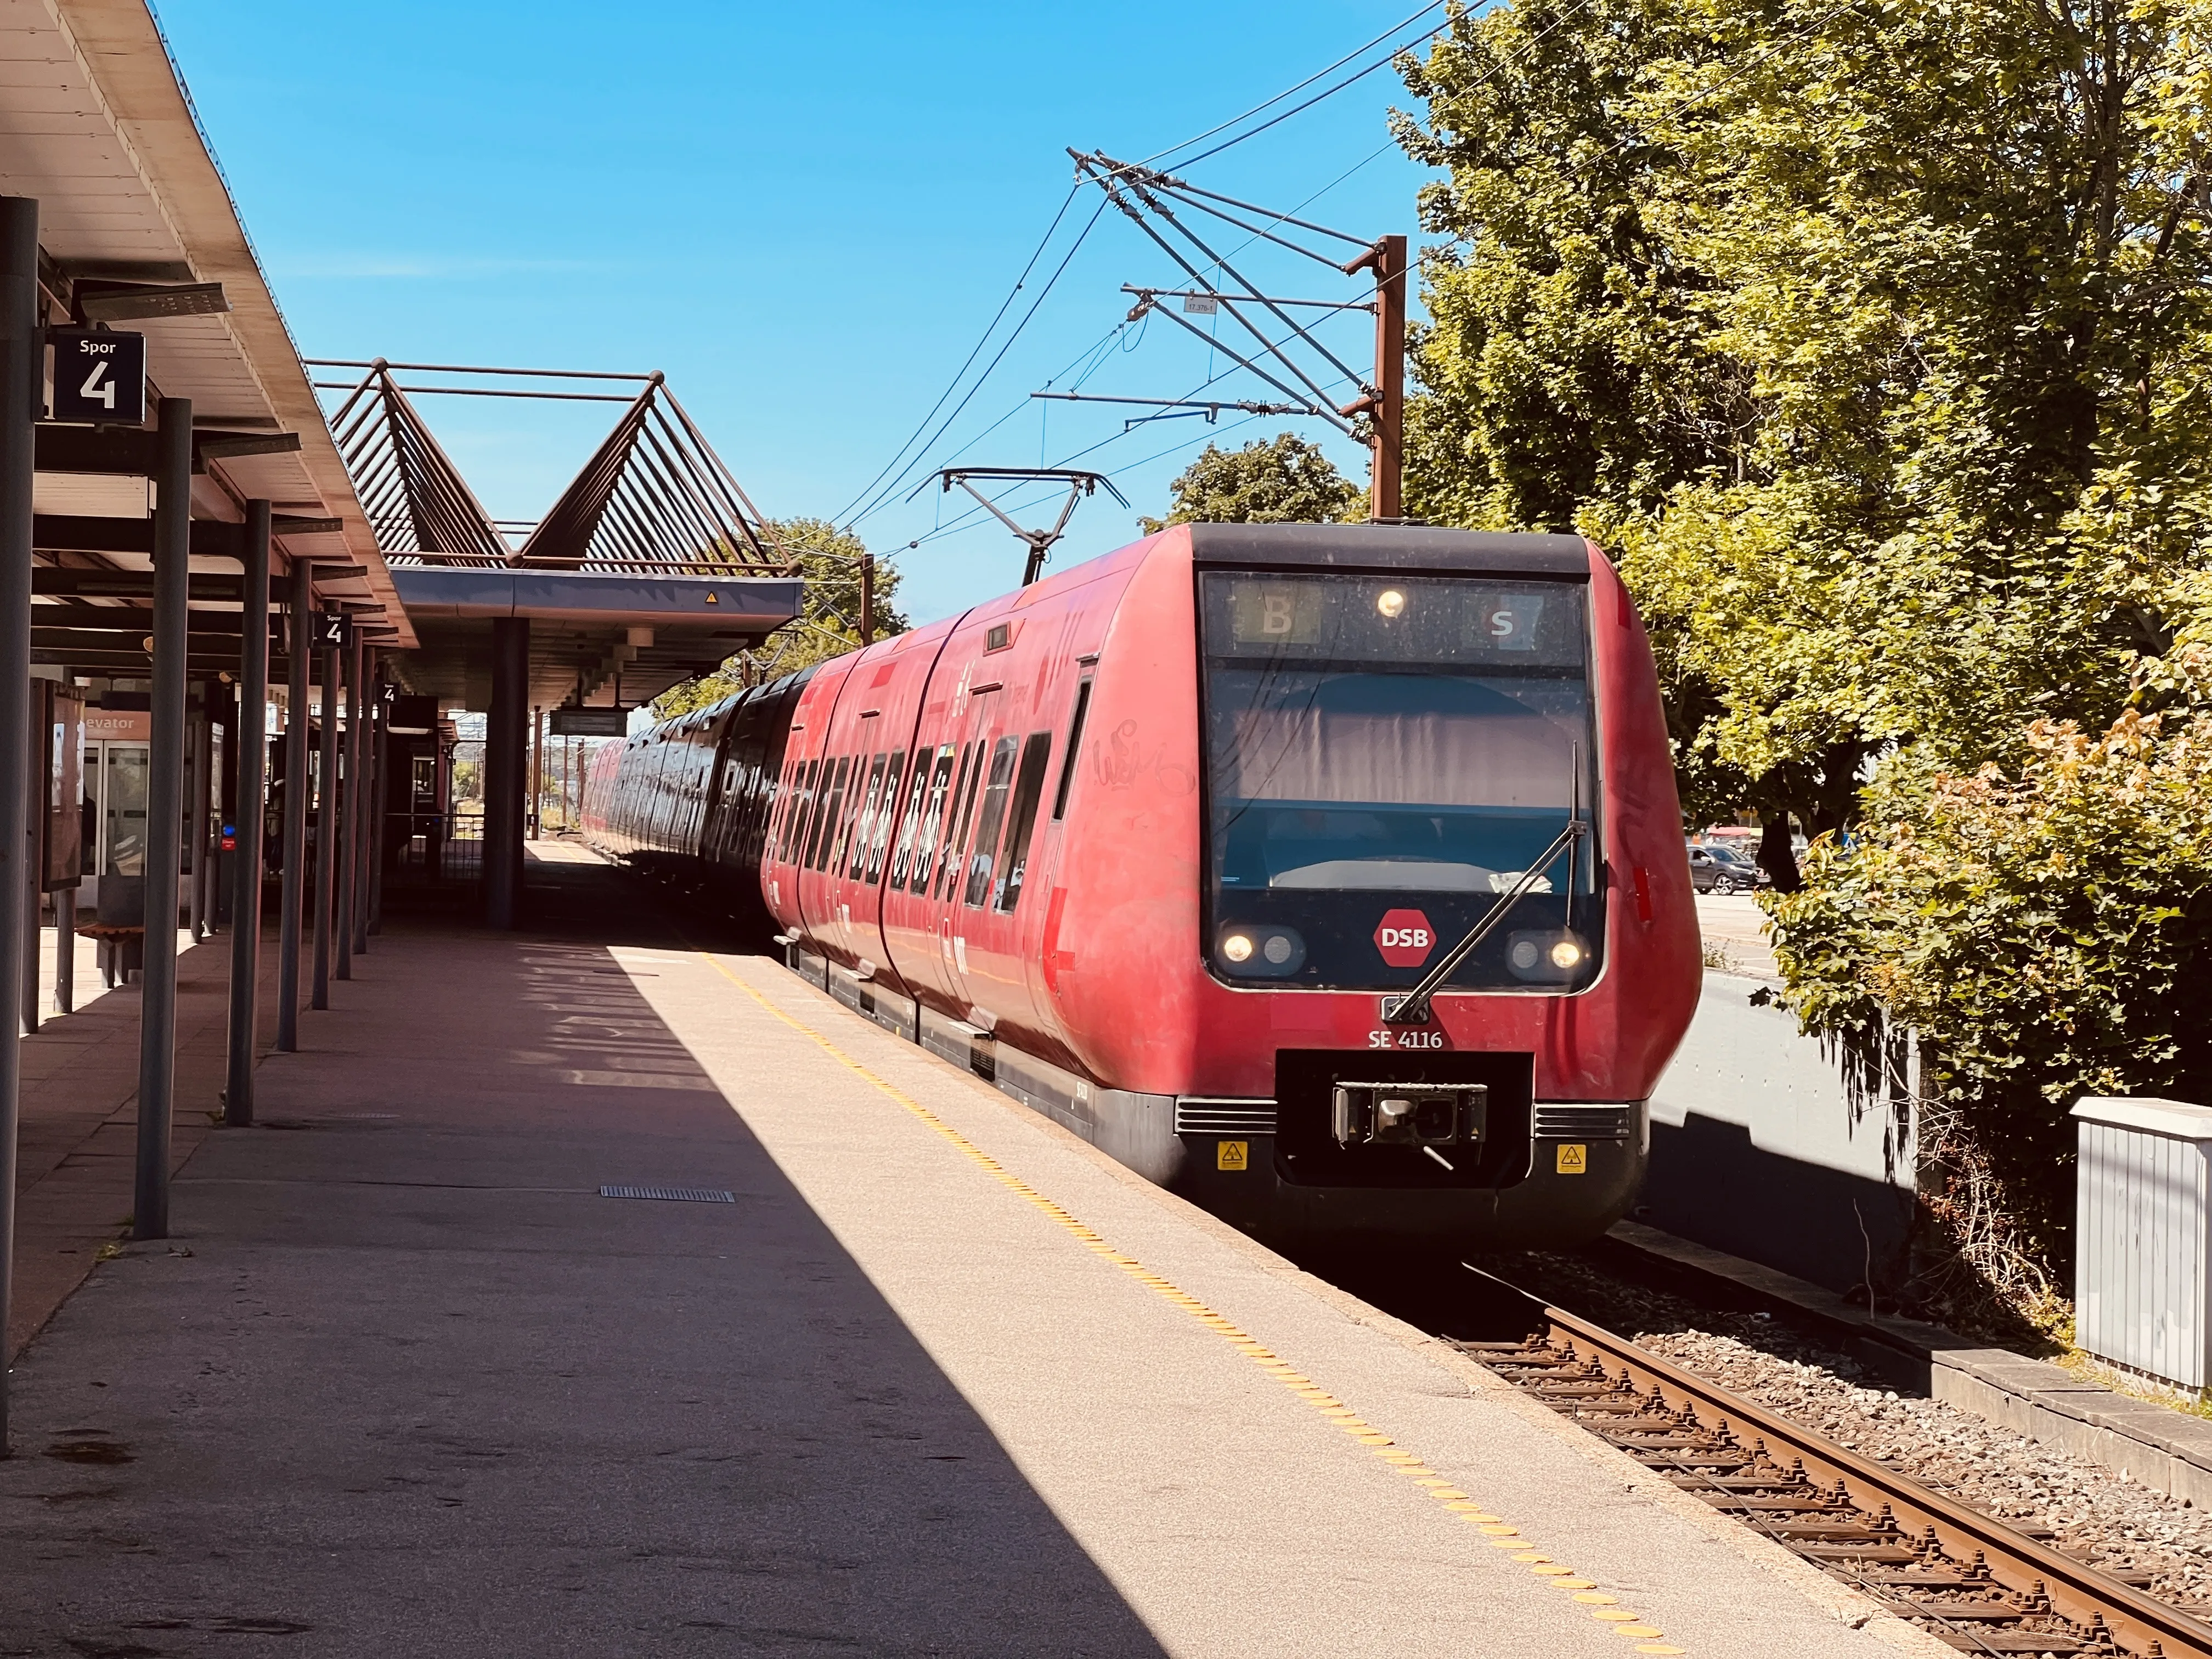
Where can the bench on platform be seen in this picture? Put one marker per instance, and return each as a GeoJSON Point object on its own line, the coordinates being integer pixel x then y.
{"type": "Point", "coordinates": [122, 951]}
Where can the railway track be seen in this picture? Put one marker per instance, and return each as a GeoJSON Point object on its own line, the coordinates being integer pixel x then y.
{"type": "Point", "coordinates": [1972, 1582]}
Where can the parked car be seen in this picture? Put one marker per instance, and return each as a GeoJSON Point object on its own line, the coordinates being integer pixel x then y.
{"type": "Point", "coordinates": [1715, 869]}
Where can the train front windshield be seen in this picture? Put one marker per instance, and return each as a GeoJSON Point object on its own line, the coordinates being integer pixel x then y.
{"type": "Point", "coordinates": [1387, 756]}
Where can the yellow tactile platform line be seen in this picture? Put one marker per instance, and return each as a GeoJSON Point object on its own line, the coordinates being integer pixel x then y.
{"type": "Point", "coordinates": [1498, 1533]}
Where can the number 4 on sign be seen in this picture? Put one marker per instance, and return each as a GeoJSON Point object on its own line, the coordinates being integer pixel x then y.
{"type": "Point", "coordinates": [100, 376]}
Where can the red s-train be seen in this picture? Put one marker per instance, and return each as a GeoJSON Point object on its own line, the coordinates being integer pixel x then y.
{"type": "Point", "coordinates": [1159, 844]}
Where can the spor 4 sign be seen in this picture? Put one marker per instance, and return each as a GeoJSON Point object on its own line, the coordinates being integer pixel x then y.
{"type": "Point", "coordinates": [1405, 938]}
{"type": "Point", "coordinates": [100, 376]}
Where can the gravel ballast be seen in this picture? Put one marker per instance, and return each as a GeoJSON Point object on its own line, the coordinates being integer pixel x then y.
{"type": "Point", "coordinates": [2093, 1512]}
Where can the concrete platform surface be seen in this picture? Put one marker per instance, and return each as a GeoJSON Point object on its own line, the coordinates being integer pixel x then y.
{"type": "Point", "coordinates": [77, 1145]}
{"type": "Point", "coordinates": [940, 1379]}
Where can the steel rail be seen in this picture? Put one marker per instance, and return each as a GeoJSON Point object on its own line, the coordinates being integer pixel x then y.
{"type": "Point", "coordinates": [2017, 1562]}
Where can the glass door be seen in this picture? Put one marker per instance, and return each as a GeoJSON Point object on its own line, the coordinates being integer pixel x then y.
{"type": "Point", "coordinates": [123, 809]}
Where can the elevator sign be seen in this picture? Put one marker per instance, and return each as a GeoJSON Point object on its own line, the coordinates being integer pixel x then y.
{"type": "Point", "coordinates": [99, 376]}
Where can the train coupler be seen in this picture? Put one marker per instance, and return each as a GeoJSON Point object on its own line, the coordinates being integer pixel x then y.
{"type": "Point", "coordinates": [1432, 1117]}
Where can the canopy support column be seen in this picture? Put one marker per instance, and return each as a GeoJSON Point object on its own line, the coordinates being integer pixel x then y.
{"type": "Point", "coordinates": [364, 795]}
{"type": "Point", "coordinates": [251, 736]}
{"type": "Point", "coordinates": [199, 736]}
{"type": "Point", "coordinates": [506, 729]}
{"type": "Point", "coordinates": [22, 375]}
{"type": "Point", "coordinates": [165, 788]}
{"type": "Point", "coordinates": [349, 840]}
{"type": "Point", "coordinates": [327, 825]}
{"type": "Point", "coordinates": [299, 623]}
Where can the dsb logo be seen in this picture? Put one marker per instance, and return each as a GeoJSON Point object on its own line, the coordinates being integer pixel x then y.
{"type": "Point", "coordinates": [1405, 938]}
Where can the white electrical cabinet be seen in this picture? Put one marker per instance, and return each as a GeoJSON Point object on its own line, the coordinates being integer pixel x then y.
{"type": "Point", "coordinates": [2142, 1237]}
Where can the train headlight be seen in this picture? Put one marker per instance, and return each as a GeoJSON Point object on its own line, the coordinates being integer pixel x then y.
{"type": "Point", "coordinates": [1550, 956]}
{"type": "Point", "coordinates": [1260, 951]}
{"type": "Point", "coordinates": [1391, 602]}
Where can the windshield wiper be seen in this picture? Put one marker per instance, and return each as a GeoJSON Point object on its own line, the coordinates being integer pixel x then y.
{"type": "Point", "coordinates": [1414, 1009]}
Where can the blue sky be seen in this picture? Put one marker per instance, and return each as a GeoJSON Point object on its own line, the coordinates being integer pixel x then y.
{"type": "Point", "coordinates": [806, 217]}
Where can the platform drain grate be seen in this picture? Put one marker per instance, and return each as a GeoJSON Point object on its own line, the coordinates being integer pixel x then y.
{"type": "Point", "coordinates": [674, 1195]}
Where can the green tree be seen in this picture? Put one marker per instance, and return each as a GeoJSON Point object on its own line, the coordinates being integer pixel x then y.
{"type": "Point", "coordinates": [828, 559]}
{"type": "Point", "coordinates": [1285, 480]}
{"type": "Point", "coordinates": [1871, 339]}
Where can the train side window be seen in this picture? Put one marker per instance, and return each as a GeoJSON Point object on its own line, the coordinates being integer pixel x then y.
{"type": "Point", "coordinates": [787, 809]}
{"type": "Point", "coordinates": [1028, 787]}
{"type": "Point", "coordinates": [910, 826]}
{"type": "Point", "coordinates": [855, 850]}
{"type": "Point", "coordinates": [933, 820]}
{"type": "Point", "coordinates": [1074, 752]}
{"type": "Point", "coordinates": [956, 822]}
{"type": "Point", "coordinates": [779, 814]}
{"type": "Point", "coordinates": [991, 820]}
{"type": "Point", "coordinates": [894, 776]}
{"type": "Point", "coordinates": [854, 857]}
{"type": "Point", "coordinates": [803, 812]}
{"type": "Point", "coordinates": [825, 815]}
{"type": "Point", "coordinates": [844, 797]}
{"type": "Point", "coordinates": [779, 818]}
{"type": "Point", "coordinates": [810, 809]}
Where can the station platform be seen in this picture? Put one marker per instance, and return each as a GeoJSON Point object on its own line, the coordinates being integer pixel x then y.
{"type": "Point", "coordinates": [875, 1361]}
{"type": "Point", "coordinates": [76, 1149]}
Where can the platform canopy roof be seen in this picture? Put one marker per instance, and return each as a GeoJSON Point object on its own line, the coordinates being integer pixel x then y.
{"type": "Point", "coordinates": [652, 568]}
{"type": "Point", "coordinates": [95, 125]}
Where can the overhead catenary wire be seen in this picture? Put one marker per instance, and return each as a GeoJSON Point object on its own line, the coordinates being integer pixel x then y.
{"type": "Point", "coordinates": [961, 522]}
{"type": "Point", "coordinates": [1298, 109]}
{"type": "Point", "coordinates": [1044, 293]}
{"type": "Point", "coordinates": [1201, 199]}
{"type": "Point", "coordinates": [884, 493]}
{"type": "Point", "coordinates": [1210, 380]}
{"type": "Point", "coordinates": [1396, 28]}
{"type": "Point", "coordinates": [1095, 354]}
{"type": "Point", "coordinates": [982, 340]}
{"type": "Point", "coordinates": [1526, 49]}
{"type": "Point", "coordinates": [876, 491]}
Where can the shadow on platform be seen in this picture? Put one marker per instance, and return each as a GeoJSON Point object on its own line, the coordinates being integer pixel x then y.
{"type": "Point", "coordinates": [406, 1383]}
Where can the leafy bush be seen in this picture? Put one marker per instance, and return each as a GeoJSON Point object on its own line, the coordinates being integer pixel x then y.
{"type": "Point", "coordinates": [2046, 934]}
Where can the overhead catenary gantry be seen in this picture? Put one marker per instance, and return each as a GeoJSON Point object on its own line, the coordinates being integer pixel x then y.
{"type": "Point", "coordinates": [1278, 349]}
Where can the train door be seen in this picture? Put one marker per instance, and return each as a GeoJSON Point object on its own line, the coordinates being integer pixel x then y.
{"type": "Point", "coordinates": [1041, 946]}
{"type": "Point", "coordinates": [934, 780]}
{"type": "Point", "coordinates": [817, 731]}
{"type": "Point", "coordinates": [937, 874]}
{"type": "Point", "coordinates": [788, 832]}
{"type": "Point", "coordinates": [844, 849]}
{"type": "Point", "coordinates": [115, 785]}
{"type": "Point", "coordinates": [1002, 889]}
